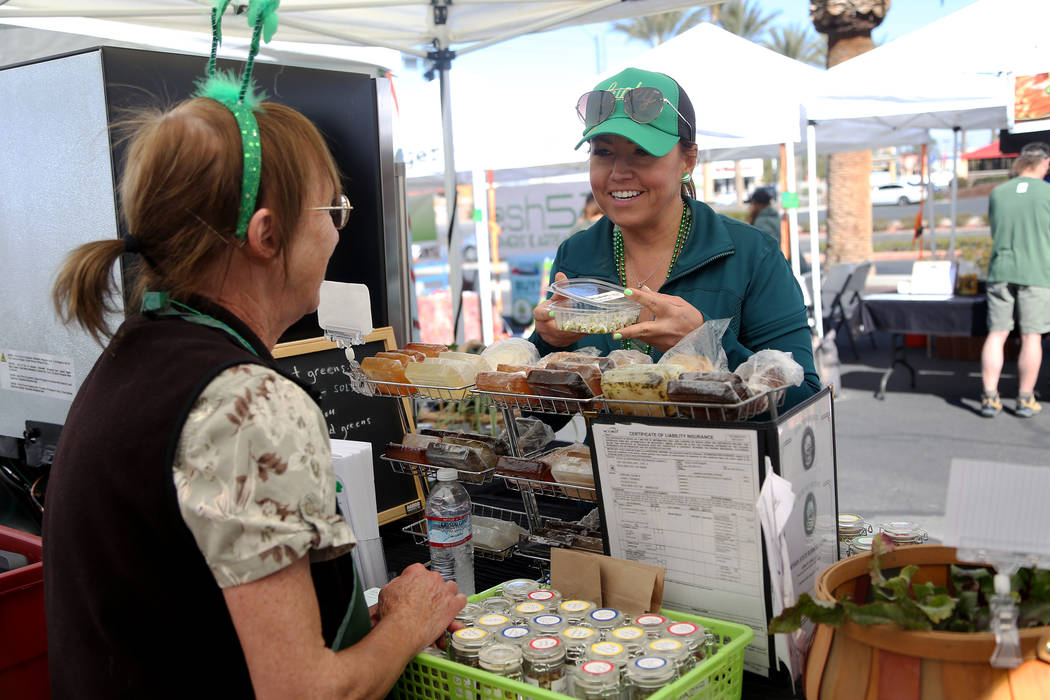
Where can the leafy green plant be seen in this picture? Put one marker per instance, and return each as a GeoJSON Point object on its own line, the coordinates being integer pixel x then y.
{"type": "Point", "coordinates": [961, 607]}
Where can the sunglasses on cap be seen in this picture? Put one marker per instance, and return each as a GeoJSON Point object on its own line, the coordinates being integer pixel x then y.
{"type": "Point", "coordinates": [642, 104]}
{"type": "Point", "coordinates": [340, 211]}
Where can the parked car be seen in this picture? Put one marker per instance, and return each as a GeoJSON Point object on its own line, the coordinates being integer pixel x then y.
{"type": "Point", "coordinates": [899, 193]}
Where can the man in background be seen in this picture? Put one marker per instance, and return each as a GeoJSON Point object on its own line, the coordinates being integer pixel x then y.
{"type": "Point", "coordinates": [761, 213]}
{"type": "Point", "coordinates": [1018, 279]}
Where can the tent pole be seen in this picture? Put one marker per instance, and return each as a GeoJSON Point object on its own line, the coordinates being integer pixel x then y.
{"type": "Point", "coordinates": [928, 182]}
{"type": "Point", "coordinates": [481, 230]}
{"type": "Point", "coordinates": [814, 227]}
{"type": "Point", "coordinates": [455, 255]}
{"type": "Point", "coordinates": [792, 186]}
{"type": "Point", "coordinates": [955, 189]}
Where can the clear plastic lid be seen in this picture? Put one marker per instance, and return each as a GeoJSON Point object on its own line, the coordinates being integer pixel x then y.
{"type": "Point", "coordinates": [589, 293]}
{"type": "Point", "coordinates": [903, 531]}
{"type": "Point", "coordinates": [500, 658]}
{"type": "Point", "coordinates": [518, 588]}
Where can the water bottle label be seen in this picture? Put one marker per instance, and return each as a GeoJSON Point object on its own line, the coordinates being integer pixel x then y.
{"type": "Point", "coordinates": [448, 532]}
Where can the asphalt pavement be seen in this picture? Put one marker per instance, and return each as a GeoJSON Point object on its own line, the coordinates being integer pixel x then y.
{"type": "Point", "coordinates": [893, 455]}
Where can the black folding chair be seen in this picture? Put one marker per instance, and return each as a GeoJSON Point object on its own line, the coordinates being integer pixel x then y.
{"type": "Point", "coordinates": [843, 301]}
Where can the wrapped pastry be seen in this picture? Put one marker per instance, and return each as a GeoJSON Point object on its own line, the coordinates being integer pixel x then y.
{"type": "Point", "coordinates": [420, 441]}
{"type": "Point", "coordinates": [502, 367]}
{"type": "Point", "coordinates": [389, 371]}
{"type": "Point", "coordinates": [639, 383]}
{"type": "Point", "coordinates": [572, 466]}
{"type": "Point", "coordinates": [502, 382]}
{"type": "Point", "coordinates": [558, 383]}
{"type": "Point", "coordinates": [591, 375]}
{"type": "Point", "coordinates": [693, 363]}
{"type": "Point", "coordinates": [603, 363]}
{"type": "Point", "coordinates": [477, 362]}
{"type": "Point", "coordinates": [417, 455]}
{"type": "Point", "coordinates": [400, 357]}
{"type": "Point", "coordinates": [415, 355]}
{"type": "Point", "coordinates": [514, 351]}
{"type": "Point", "coordinates": [533, 435]}
{"type": "Point", "coordinates": [485, 451]}
{"type": "Point", "coordinates": [428, 349]}
{"type": "Point", "coordinates": [464, 458]}
{"type": "Point", "coordinates": [532, 469]}
{"type": "Point", "coordinates": [621, 358]}
{"type": "Point", "coordinates": [686, 386]}
{"type": "Point", "coordinates": [442, 372]}
{"type": "Point", "coordinates": [445, 435]}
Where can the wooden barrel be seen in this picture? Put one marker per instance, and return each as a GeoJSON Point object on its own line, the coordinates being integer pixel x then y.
{"type": "Point", "coordinates": [885, 662]}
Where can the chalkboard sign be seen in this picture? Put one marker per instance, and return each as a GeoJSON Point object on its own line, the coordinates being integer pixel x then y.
{"type": "Point", "coordinates": [322, 365]}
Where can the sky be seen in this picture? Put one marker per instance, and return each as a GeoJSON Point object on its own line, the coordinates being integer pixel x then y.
{"type": "Point", "coordinates": [564, 63]}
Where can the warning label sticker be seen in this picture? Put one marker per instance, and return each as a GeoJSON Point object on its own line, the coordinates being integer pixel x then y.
{"type": "Point", "coordinates": [35, 373]}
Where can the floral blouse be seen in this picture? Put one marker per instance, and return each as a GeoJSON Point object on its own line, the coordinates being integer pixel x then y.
{"type": "Point", "coordinates": [253, 474]}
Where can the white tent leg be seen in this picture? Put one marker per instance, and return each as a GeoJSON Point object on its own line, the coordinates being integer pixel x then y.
{"type": "Point", "coordinates": [814, 227]}
{"type": "Point", "coordinates": [792, 186]}
{"type": "Point", "coordinates": [929, 206]}
{"type": "Point", "coordinates": [481, 231]}
{"type": "Point", "coordinates": [455, 255]}
{"type": "Point", "coordinates": [955, 190]}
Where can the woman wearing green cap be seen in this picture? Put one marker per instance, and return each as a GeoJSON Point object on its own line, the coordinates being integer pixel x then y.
{"type": "Point", "coordinates": [682, 261]}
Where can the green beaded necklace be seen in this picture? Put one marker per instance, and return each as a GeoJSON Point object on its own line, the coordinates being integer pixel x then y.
{"type": "Point", "coordinates": [679, 243]}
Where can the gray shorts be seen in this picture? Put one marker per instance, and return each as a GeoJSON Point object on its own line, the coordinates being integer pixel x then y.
{"type": "Point", "coordinates": [1030, 306]}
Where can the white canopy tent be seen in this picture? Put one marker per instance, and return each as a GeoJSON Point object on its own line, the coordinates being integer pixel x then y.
{"type": "Point", "coordinates": [437, 30]}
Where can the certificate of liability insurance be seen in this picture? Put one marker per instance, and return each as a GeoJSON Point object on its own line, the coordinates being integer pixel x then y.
{"type": "Point", "coordinates": [684, 498]}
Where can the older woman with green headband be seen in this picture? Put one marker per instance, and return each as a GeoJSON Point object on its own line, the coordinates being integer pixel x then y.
{"type": "Point", "coordinates": [683, 262]}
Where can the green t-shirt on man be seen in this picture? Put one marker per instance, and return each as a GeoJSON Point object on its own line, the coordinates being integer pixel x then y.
{"type": "Point", "coordinates": [1019, 213]}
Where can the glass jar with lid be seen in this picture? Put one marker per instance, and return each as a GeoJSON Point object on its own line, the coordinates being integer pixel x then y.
{"type": "Point", "coordinates": [596, 680]}
{"type": "Point", "coordinates": [525, 611]}
{"type": "Point", "coordinates": [467, 642]}
{"type": "Point", "coordinates": [605, 619]}
{"type": "Point", "coordinates": [648, 674]}
{"type": "Point", "coordinates": [850, 526]}
{"type": "Point", "coordinates": [514, 634]}
{"type": "Point", "coordinates": [544, 663]}
{"type": "Point", "coordinates": [652, 624]}
{"type": "Point", "coordinates": [548, 597]}
{"type": "Point", "coordinates": [860, 544]}
{"type": "Point", "coordinates": [575, 611]}
{"type": "Point", "coordinates": [632, 638]}
{"type": "Point", "coordinates": [492, 622]}
{"type": "Point", "coordinates": [577, 639]}
{"type": "Point", "coordinates": [502, 659]}
{"type": "Point", "coordinates": [469, 614]}
{"type": "Point", "coordinates": [548, 624]}
{"type": "Point", "coordinates": [517, 589]}
{"type": "Point", "coordinates": [496, 604]}
{"type": "Point", "coordinates": [904, 532]}
{"type": "Point", "coordinates": [613, 652]}
{"type": "Point", "coordinates": [692, 635]}
{"type": "Point", "coordinates": [673, 649]}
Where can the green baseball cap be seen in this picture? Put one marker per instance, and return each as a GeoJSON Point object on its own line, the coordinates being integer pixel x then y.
{"type": "Point", "coordinates": [659, 136]}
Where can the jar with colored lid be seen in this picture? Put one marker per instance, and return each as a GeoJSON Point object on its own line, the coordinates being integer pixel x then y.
{"type": "Point", "coordinates": [514, 634]}
{"type": "Point", "coordinates": [517, 589]}
{"type": "Point", "coordinates": [673, 649]}
{"type": "Point", "coordinates": [502, 659]}
{"type": "Point", "coordinates": [613, 652]}
{"type": "Point", "coordinates": [605, 619]}
{"type": "Point", "coordinates": [596, 680]}
{"type": "Point", "coordinates": [577, 639]}
{"type": "Point", "coordinates": [544, 664]}
{"type": "Point", "coordinates": [648, 674]}
{"type": "Point", "coordinates": [523, 612]}
{"type": "Point", "coordinates": [469, 614]}
{"type": "Point", "coordinates": [632, 638]}
{"type": "Point", "coordinates": [861, 544]}
{"type": "Point", "coordinates": [492, 622]}
{"type": "Point", "coordinates": [850, 526]}
{"type": "Point", "coordinates": [466, 643]}
{"type": "Point", "coordinates": [903, 532]}
{"type": "Point", "coordinates": [548, 624]}
{"type": "Point", "coordinates": [548, 597]}
{"type": "Point", "coordinates": [692, 635]}
{"type": "Point", "coordinates": [652, 624]}
{"type": "Point", "coordinates": [575, 611]}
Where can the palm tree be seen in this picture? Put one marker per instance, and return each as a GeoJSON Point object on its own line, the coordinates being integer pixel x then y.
{"type": "Point", "coordinates": [798, 41]}
{"type": "Point", "coordinates": [848, 25]}
{"type": "Point", "coordinates": [745, 19]}
{"type": "Point", "coordinates": [656, 29]}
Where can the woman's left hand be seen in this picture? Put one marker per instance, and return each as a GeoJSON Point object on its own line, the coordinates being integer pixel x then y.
{"type": "Point", "coordinates": [673, 319]}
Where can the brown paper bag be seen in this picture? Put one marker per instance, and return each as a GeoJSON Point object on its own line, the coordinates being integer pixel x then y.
{"type": "Point", "coordinates": [630, 586]}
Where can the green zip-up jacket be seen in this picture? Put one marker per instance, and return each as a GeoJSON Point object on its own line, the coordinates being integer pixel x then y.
{"type": "Point", "coordinates": [727, 269]}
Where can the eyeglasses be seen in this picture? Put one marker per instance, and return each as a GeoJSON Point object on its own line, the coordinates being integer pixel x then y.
{"type": "Point", "coordinates": [340, 211]}
{"type": "Point", "coordinates": [642, 104]}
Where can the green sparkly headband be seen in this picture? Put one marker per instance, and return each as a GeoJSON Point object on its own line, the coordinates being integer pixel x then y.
{"type": "Point", "coordinates": [241, 97]}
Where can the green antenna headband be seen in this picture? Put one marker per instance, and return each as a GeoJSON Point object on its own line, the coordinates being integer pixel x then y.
{"type": "Point", "coordinates": [241, 98]}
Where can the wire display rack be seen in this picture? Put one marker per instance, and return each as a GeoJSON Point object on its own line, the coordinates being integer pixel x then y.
{"type": "Point", "coordinates": [418, 529]}
{"type": "Point", "coordinates": [429, 471]}
{"type": "Point", "coordinates": [771, 400]}
{"type": "Point", "coordinates": [552, 405]}
{"type": "Point", "coordinates": [396, 390]}
{"type": "Point", "coordinates": [551, 489]}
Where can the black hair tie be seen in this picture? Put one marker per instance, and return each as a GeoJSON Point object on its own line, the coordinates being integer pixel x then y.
{"type": "Point", "coordinates": [131, 244]}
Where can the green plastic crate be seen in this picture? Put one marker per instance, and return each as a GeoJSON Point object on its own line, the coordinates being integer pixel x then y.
{"type": "Point", "coordinates": [717, 678]}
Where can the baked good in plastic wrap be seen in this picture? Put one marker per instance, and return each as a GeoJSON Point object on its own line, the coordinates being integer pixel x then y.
{"type": "Point", "coordinates": [770, 369]}
{"type": "Point", "coordinates": [494, 534]}
{"type": "Point", "coordinates": [466, 458]}
{"type": "Point", "coordinates": [591, 375]}
{"type": "Point", "coordinates": [621, 358]}
{"type": "Point", "coordinates": [639, 383]}
{"type": "Point", "coordinates": [602, 363]}
{"type": "Point", "coordinates": [388, 371]}
{"type": "Point", "coordinates": [571, 466]}
{"type": "Point", "coordinates": [533, 435]}
{"type": "Point", "coordinates": [701, 349]}
{"type": "Point", "coordinates": [441, 372]}
{"type": "Point", "coordinates": [522, 468]}
{"type": "Point", "coordinates": [558, 383]}
{"type": "Point", "coordinates": [404, 453]}
{"type": "Point", "coordinates": [709, 387]}
{"type": "Point", "coordinates": [511, 351]}
{"type": "Point", "coordinates": [497, 445]}
{"type": "Point", "coordinates": [477, 362]}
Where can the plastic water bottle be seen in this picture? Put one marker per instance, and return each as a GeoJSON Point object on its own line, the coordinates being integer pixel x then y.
{"type": "Point", "coordinates": [449, 531]}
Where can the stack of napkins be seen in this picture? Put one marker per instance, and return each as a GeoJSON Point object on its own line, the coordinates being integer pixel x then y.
{"type": "Point", "coordinates": [356, 495]}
